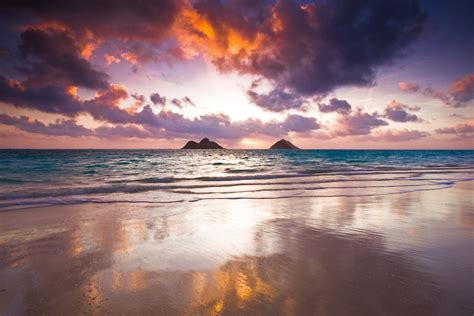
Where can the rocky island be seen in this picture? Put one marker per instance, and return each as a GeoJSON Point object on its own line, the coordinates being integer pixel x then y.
{"type": "Point", "coordinates": [205, 143]}
{"type": "Point", "coordinates": [283, 144]}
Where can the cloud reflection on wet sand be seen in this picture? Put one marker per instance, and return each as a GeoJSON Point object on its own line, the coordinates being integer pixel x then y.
{"type": "Point", "coordinates": [325, 256]}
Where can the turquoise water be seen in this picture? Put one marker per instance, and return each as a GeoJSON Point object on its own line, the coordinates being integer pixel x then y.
{"type": "Point", "coordinates": [39, 177]}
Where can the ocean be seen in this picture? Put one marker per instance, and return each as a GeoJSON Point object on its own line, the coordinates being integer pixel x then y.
{"type": "Point", "coordinates": [47, 177]}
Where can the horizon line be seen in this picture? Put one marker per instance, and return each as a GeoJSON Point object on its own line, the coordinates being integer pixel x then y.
{"type": "Point", "coordinates": [150, 148]}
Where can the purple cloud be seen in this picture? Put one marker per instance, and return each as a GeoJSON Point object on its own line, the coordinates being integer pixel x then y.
{"type": "Point", "coordinates": [53, 58]}
{"type": "Point", "coordinates": [50, 99]}
{"type": "Point", "coordinates": [408, 86]}
{"type": "Point", "coordinates": [156, 98]}
{"type": "Point", "coordinates": [462, 130]}
{"type": "Point", "coordinates": [358, 123]}
{"type": "Point", "coordinates": [335, 105]}
{"type": "Point", "coordinates": [401, 135]}
{"type": "Point", "coordinates": [396, 112]}
{"type": "Point", "coordinates": [311, 49]}
{"type": "Point", "coordinates": [60, 128]}
{"type": "Point", "coordinates": [277, 100]}
{"type": "Point", "coordinates": [460, 93]}
{"type": "Point", "coordinates": [125, 20]}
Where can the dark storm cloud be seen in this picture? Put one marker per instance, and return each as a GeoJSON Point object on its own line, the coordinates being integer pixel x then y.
{"type": "Point", "coordinates": [50, 99]}
{"type": "Point", "coordinates": [317, 47]}
{"type": "Point", "coordinates": [156, 98]}
{"type": "Point", "coordinates": [54, 57]}
{"type": "Point", "coordinates": [396, 112]}
{"type": "Point", "coordinates": [122, 19]}
{"type": "Point", "coordinates": [335, 105]}
{"type": "Point", "coordinates": [54, 99]}
{"type": "Point", "coordinates": [302, 49]}
{"type": "Point", "coordinates": [246, 16]}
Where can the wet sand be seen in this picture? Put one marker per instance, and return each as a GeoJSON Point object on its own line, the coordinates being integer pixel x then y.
{"type": "Point", "coordinates": [398, 254]}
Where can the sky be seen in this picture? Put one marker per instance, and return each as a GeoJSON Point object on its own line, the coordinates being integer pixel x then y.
{"type": "Point", "coordinates": [393, 74]}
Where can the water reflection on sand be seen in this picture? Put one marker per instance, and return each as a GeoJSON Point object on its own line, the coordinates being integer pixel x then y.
{"type": "Point", "coordinates": [398, 254]}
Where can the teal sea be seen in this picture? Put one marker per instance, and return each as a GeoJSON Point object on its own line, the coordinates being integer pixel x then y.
{"type": "Point", "coordinates": [47, 177]}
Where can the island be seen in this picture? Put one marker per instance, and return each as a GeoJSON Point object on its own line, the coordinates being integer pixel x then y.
{"type": "Point", "coordinates": [283, 144]}
{"type": "Point", "coordinates": [205, 143]}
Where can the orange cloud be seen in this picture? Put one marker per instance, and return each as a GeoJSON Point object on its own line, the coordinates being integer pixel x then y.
{"type": "Point", "coordinates": [112, 96]}
{"type": "Point", "coordinates": [197, 34]}
{"type": "Point", "coordinates": [130, 57]}
{"type": "Point", "coordinates": [72, 91]}
{"type": "Point", "coordinates": [408, 86]}
{"type": "Point", "coordinates": [111, 59]}
{"type": "Point", "coordinates": [463, 85]}
{"type": "Point", "coordinates": [88, 49]}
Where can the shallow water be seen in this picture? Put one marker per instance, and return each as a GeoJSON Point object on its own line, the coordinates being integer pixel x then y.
{"type": "Point", "coordinates": [47, 177]}
{"type": "Point", "coordinates": [385, 236]}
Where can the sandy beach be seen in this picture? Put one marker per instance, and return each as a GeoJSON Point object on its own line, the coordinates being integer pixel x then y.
{"type": "Point", "coordinates": [408, 253]}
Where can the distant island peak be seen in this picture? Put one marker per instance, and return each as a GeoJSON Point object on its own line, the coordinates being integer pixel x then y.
{"type": "Point", "coordinates": [283, 144]}
{"type": "Point", "coordinates": [205, 143]}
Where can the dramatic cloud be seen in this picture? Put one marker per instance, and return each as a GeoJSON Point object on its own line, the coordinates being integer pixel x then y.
{"type": "Point", "coordinates": [51, 99]}
{"type": "Point", "coordinates": [358, 123]}
{"type": "Point", "coordinates": [118, 19]}
{"type": "Point", "coordinates": [53, 57]}
{"type": "Point", "coordinates": [400, 135]}
{"type": "Point", "coordinates": [335, 105]}
{"type": "Point", "coordinates": [460, 93]}
{"type": "Point", "coordinates": [54, 99]}
{"type": "Point", "coordinates": [311, 48]}
{"type": "Point", "coordinates": [156, 98]}
{"type": "Point", "coordinates": [301, 49]}
{"type": "Point", "coordinates": [462, 130]}
{"type": "Point", "coordinates": [396, 112]}
{"type": "Point", "coordinates": [408, 86]}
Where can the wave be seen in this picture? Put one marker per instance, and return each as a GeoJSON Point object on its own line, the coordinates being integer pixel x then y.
{"type": "Point", "coordinates": [188, 187]}
{"type": "Point", "coordinates": [15, 205]}
{"type": "Point", "coordinates": [299, 174]}
{"type": "Point", "coordinates": [17, 181]}
{"type": "Point", "coordinates": [241, 182]}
